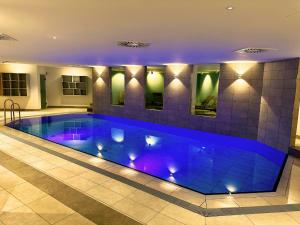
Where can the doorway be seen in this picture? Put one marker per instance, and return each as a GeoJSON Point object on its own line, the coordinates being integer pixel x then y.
{"type": "Point", "coordinates": [43, 91]}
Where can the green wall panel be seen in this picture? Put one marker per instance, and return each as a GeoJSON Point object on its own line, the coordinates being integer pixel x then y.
{"type": "Point", "coordinates": [207, 85]}
{"type": "Point", "coordinates": [117, 88]}
{"type": "Point", "coordinates": [154, 89]}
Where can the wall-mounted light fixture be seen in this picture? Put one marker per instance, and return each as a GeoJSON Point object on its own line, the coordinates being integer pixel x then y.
{"type": "Point", "coordinates": [241, 67]}
{"type": "Point", "coordinates": [99, 70]}
{"type": "Point", "coordinates": [176, 68]}
{"type": "Point", "coordinates": [133, 69]}
{"type": "Point", "coordinates": [239, 75]}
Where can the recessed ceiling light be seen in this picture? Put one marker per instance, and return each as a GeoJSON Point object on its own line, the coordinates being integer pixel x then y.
{"type": "Point", "coordinates": [5, 37]}
{"type": "Point", "coordinates": [133, 44]}
{"type": "Point", "coordinates": [230, 7]}
{"type": "Point", "coordinates": [54, 37]}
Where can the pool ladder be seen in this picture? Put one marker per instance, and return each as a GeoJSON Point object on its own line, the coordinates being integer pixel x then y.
{"type": "Point", "coordinates": [12, 109]}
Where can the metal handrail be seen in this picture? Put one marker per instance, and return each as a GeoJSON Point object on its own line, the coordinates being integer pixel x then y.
{"type": "Point", "coordinates": [12, 108]}
{"type": "Point", "coordinates": [4, 109]}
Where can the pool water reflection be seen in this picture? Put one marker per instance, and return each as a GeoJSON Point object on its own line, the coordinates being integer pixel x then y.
{"type": "Point", "coordinates": [205, 162]}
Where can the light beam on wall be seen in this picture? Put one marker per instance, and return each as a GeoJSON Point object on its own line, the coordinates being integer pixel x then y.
{"type": "Point", "coordinates": [241, 67]}
{"type": "Point", "coordinates": [176, 68]}
{"type": "Point", "coordinates": [99, 70]}
{"type": "Point", "coordinates": [134, 69]}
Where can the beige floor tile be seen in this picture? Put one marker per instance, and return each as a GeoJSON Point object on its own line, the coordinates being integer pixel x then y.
{"type": "Point", "coordinates": [272, 219]}
{"type": "Point", "coordinates": [74, 168]}
{"type": "Point", "coordinates": [43, 165]}
{"type": "Point", "coordinates": [9, 180]}
{"type": "Point", "coordinates": [3, 169]}
{"type": "Point", "coordinates": [119, 187]}
{"type": "Point", "coordinates": [105, 195]}
{"type": "Point", "coordinates": [22, 216]}
{"type": "Point", "coordinates": [135, 210]}
{"type": "Point", "coordinates": [139, 177]}
{"type": "Point", "coordinates": [120, 170]}
{"type": "Point", "coordinates": [105, 165]}
{"type": "Point", "coordinates": [279, 200]}
{"type": "Point", "coordinates": [161, 219]}
{"type": "Point", "coordinates": [189, 196]}
{"type": "Point", "coordinates": [228, 220]}
{"type": "Point", "coordinates": [221, 203]}
{"type": "Point", "coordinates": [94, 177]}
{"type": "Point", "coordinates": [295, 216]}
{"type": "Point", "coordinates": [60, 173]}
{"type": "Point", "coordinates": [57, 161]}
{"type": "Point", "coordinates": [12, 151]}
{"type": "Point", "coordinates": [50, 209]}
{"type": "Point", "coordinates": [75, 219]}
{"type": "Point", "coordinates": [148, 200]}
{"type": "Point", "coordinates": [26, 192]}
{"type": "Point", "coordinates": [294, 187]}
{"type": "Point", "coordinates": [28, 158]}
{"type": "Point", "coordinates": [245, 202]}
{"type": "Point", "coordinates": [182, 215]}
{"type": "Point", "coordinates": [80, 183]}
{"type": "Point", "coordinates": [162, 186]}
{"type": "Point", "coordinates": [8, 202]}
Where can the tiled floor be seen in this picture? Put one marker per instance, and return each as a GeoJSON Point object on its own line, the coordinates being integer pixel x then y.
{"type": "Point", "coordinates": [37, 187]}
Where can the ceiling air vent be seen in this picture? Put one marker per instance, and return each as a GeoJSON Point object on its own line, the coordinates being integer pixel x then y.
{"type": "Point", "coordinates": [253, 50]}
{"type": "Point", "coordinates": [133, 44]}
{"type": "Point", "coordinates": [5, 37]}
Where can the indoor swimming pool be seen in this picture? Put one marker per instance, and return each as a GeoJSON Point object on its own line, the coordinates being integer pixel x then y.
{"type": "Point", "coordinates": [204, 162]}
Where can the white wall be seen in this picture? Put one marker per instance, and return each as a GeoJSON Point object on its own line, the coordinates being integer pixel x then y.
{"type": "Point", "coordinates": [32, 100]}
{"type": "Point", "coordinates": [55, 96]}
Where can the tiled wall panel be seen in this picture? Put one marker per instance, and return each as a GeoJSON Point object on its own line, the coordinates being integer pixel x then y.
{"type": "Point", "coordinates": [277, 103]}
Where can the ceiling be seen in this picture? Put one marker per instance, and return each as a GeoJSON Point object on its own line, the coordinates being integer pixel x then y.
{"type": "Point", "coordinates": [181, 31]}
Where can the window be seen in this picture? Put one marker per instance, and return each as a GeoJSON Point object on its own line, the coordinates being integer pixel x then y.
{"type": "Point", "coordinates": [154, 88]}
{"type": "Point", "coordinates": [205, 94]}
{"type": "Point", "coordinates": [117, 85]}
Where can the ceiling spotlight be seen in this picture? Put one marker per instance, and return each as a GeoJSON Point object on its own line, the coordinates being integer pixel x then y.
{"type": "Point", "coordinates": [54, 37]}
{"type": "Point", "coordinates": [230, 7]}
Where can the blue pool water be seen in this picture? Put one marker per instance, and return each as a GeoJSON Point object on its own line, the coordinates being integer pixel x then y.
{"type": "Point", "coordinates": [205, 162]}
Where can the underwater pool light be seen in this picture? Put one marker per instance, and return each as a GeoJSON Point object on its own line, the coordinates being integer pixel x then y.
{"type": "Point", "coordinates": [100, 147]}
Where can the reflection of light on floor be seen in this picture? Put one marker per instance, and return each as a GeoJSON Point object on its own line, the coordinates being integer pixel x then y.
{"type": "Point", "coordinates": [128, 172]}
{"type": "Point", "coordinates": [132, 157]}
{"type": "Point", "coordinates": [131, 164]}
{"type": "Point", "coordinates": [231, 189]}
{"type": "Point", "coordinates": [95, 160]}
{"type": "Point", "coordinates": [168, 186]}
{"type": "Point", "coordinates": [172, 178]}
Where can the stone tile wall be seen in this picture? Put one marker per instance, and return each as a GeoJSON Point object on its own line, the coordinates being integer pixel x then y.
{"type": "Point", "coordinates": [278, 104]}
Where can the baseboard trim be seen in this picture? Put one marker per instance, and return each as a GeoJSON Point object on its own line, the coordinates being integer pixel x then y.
{"type": "Point", "coordinates": [294, 152]}
{"type": "Point", "coordinates": [68, 106]}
